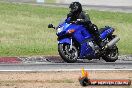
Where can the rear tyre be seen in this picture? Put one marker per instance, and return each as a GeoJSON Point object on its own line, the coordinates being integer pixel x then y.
{"type": "Point", "coordinates": [111, 54]}
{"type": "Point", "coordinates": [69, 56]}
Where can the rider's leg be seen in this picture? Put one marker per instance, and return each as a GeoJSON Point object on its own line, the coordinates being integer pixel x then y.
{"type": "Point", "coordinates": [95, 32]}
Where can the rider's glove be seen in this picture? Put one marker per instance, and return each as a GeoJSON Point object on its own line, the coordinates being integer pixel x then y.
{"type": "Point", "coordinates": [79, 21]}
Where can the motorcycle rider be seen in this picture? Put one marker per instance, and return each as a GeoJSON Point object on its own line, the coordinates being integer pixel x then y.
{"type": "Point", "coordinates": [76, 14]}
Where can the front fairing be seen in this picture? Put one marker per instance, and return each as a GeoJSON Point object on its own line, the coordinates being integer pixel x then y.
{"type": "Point", "coordinates": [63, 27]}
{"type": "Point", "coordinates": [80, 30]}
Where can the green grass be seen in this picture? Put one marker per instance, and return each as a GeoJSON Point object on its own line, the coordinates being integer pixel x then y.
{"type": "Point", "coordinates": [50, 1]}
{"type": "Point", "coordinates": [24, 32]}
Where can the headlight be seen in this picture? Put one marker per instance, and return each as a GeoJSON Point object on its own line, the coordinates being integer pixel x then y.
{"type": "Point", "coordinates": [59, 29]}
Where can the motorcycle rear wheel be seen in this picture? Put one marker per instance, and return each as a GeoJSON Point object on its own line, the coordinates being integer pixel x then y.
{"type": "Point", "coordinates": [111, 55]}
{"type": "Point", "coordinates": [69, 56]}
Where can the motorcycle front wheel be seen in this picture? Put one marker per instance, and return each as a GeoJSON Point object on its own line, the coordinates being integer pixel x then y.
{"type": "Point", "coordinates": [67, 54]}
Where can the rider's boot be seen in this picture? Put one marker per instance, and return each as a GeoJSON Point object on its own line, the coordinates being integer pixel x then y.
{"type": "Point", "coordinates": [96, 33]}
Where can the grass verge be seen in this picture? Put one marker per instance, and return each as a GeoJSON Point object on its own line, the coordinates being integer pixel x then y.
{"type": "Point", "coordinates": [24, 32]}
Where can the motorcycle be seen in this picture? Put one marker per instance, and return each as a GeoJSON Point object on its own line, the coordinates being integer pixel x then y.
{"type": "Point", "coordinates": [75, 42]}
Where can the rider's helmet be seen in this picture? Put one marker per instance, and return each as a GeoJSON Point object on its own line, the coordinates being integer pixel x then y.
{"type": "Point", "coordinates": [75, 7]}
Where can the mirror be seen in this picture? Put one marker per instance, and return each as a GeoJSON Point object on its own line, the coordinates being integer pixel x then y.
{"type": "Point", "coordinates": [50, 26]}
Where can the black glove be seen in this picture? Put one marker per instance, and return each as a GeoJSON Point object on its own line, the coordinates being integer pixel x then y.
{"type": "Point", "coordinates": [80, 21]}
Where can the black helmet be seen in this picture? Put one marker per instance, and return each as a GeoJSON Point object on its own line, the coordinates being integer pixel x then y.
{"type": "Point", "coordinates": [75, 7]}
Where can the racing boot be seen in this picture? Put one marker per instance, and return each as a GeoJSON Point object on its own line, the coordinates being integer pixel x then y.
{"type": "Point", "coordinates": [96, 33]}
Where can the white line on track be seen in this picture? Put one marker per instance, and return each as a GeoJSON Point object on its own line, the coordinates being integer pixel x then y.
{"type": "Point", "coordinates": [54, 70]}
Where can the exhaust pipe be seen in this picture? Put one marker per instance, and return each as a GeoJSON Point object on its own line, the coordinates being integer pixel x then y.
{"type": "Point", "coordinates": [112, 42]}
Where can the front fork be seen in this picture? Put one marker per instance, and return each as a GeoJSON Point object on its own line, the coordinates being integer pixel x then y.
{"type": "Point", "coordinates": [71, 44]}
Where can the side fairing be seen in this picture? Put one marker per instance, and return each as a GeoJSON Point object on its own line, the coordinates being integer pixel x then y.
{"type": "Point", "coordinates": [86, 51]}
{"type": "Point", "coordinates": [81, 34]}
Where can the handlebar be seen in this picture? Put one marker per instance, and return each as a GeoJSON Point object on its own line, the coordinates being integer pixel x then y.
{"type": "Point", "coordinates": [77, 21]}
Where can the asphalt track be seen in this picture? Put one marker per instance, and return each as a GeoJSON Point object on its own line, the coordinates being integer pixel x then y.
{"type": "Point", "coordinates": [57, 64]}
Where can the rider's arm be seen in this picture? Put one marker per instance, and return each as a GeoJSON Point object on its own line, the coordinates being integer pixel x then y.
{"type": "Point", "coordinates": [85, 18]}
{"type": "Point", "coordinates": [69, 15]}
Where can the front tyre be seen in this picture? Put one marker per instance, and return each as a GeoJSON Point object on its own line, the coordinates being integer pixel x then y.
{"type": "Point", "coordinates": [111, 54]}
{"type": "Point", "coordinates": [69, 56]}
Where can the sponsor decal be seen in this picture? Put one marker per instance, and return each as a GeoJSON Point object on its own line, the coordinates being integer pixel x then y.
{"type": "Point", "coordinates": [86, 81]}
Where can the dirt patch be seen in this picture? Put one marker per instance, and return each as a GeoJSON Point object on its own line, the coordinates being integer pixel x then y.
{"type": "Point", "coordinates": [57, 79]}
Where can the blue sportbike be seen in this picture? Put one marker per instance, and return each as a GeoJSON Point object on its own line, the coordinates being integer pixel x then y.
{"type": "Point", "coordinates": [75, 42]}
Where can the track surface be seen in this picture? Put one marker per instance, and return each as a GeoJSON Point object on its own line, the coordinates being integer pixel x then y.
{"type": "Point", "coordinates": [55, 63]}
